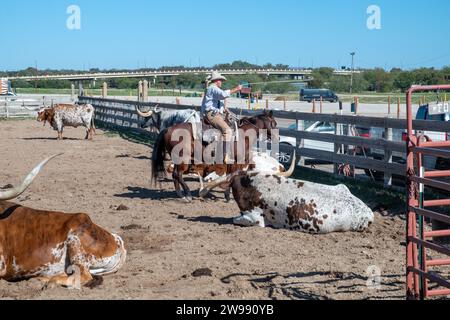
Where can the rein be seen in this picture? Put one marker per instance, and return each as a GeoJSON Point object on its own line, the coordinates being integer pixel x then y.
{"type": "Point", "coordinates": [246, 121]}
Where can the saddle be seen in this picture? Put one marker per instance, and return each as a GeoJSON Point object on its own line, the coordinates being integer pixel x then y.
{"type": "Point", "coordinates": [212, 134]}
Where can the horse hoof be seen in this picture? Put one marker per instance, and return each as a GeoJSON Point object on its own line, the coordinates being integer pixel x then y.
{"type": "Point", "coordinates": [186, 200]}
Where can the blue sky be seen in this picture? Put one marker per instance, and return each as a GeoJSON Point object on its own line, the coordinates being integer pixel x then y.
{"type": "Point", "coordinates": [139, 33]}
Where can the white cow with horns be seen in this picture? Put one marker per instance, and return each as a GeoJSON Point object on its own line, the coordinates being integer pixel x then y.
{"type": "Point", "coordinates": [273, 200]}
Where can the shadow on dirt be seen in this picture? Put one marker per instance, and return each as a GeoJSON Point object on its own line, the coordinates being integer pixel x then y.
{"type": "Point", "coordinates": [205, 219]}
{"type": "Point", "coordinates": [144, 193]}
{"type": "Point", "coordinates": [300, 286]}
{"type": "Point", "coordinates": [51, 139]}
{"type": "Point", "coordinates": [127, 156]}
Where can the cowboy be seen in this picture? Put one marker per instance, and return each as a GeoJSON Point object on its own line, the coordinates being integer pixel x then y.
{"type": "Point", "coordinates": [213, 107]}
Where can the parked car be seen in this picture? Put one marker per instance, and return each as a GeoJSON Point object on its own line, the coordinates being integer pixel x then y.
{"type": "Point", "coordinates": [316, 94]}
{"type": "Point", "coordinates": [285, 157]}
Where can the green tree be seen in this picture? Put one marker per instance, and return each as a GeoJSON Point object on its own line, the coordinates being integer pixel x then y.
{"type": "Point", "coordinates": [378, 80]}
{"type": "Point", "coordinates": [317, 80]}
{"type": "Point", "coordinates": [404, 80]}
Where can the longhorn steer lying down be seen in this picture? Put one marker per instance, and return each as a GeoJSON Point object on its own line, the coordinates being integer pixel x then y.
{"type": "Point", "coordinates": [49, 245]}
{"type": "Point", "coordinates": [268, 200]}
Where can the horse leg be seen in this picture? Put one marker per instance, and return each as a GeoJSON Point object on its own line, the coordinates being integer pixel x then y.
{"type": "Point", "coordinates": [176, 181]}
{"type": "Point", "coordinates": [187, 191]}
{"type": "Point", "coordinates": [228, 195]}
{"type": "Point", "coordinates": [202, 183]}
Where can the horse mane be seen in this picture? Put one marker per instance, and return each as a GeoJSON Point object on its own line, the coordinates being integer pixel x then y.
{"type": "Point", "coordinates": [253, 119]}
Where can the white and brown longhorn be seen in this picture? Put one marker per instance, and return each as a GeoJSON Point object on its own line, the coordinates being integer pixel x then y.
{"type": "Point", "coordinates": [269, 200]}
{"type": "Point", "coordinates": [68, 115]}
{"type": "Point", "coordinates": [51, 245]}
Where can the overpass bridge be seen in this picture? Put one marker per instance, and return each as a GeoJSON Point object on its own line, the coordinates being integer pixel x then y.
{"type": "Point", "coordinates": [298, 74]}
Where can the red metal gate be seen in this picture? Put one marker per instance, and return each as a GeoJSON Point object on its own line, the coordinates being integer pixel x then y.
{"type": "Point", "coordinates": [420, 244]}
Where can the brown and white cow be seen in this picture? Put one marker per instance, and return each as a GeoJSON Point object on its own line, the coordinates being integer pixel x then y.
{"type": "Point", "coordinates": [51, 246]}
{"type": "Point", "coordinates": [68, 115]}
{"type": "Point", "coordinates": [269, 200]}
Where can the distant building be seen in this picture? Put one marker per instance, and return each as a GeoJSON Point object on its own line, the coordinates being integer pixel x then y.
{"type": "Point", "coordinates": [5, 87]}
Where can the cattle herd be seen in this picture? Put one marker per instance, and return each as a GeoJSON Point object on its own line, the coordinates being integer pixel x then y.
{"type": "Point", "coordinates": [262, 189]}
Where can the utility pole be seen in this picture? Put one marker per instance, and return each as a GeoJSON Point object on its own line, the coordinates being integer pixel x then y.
{"type": "Point", "coordinates": [37, 74]}
{"type": "Point", "coordinates": [353, 70]}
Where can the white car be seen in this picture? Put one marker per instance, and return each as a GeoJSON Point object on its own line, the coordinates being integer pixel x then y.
{"type": "Point", "coordinates": [317, 127]}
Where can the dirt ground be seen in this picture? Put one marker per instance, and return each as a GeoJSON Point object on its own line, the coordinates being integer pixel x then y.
{"type": "Point", "coordinates": [168, 240]}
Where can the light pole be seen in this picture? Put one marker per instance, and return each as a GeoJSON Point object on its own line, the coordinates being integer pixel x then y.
{"type": "Point", "coordinates": [37, 74]}
{"type": "Point", "coordinates": [353, 70]}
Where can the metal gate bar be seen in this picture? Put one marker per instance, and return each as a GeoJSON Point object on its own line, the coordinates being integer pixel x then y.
{"type": "Point", "coordinates": [419, 241]}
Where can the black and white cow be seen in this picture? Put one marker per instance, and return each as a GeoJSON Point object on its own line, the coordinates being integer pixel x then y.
{"type": "Point", "coordinates": [269, 200]}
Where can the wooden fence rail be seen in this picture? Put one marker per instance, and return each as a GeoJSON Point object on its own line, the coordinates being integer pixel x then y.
{"type": "Point", "coordinates": [121, 113]}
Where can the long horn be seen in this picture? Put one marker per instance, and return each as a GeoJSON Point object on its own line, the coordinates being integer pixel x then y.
{"type": "Point", "coordinates": [291, 170]}
{"type": "Point", "coordinates": [144, 114]}
{"type": "Point", "coordinates": [214, 184]}
{"type": "Point", "coordinates": [31, 109]}
{"type": "Point", "coordinates": [15, 192]}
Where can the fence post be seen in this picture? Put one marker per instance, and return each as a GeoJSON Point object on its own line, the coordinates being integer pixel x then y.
{"type": "Point", "coordinates": [389, 105]}
{"type": "Point", "coordinates": [388, 156]}
{"type": "Point", "coordinates": [267, 104]}
{"type": "Point", "coordinates": [337, 147]}
{"type": "Point", "coordinates": [314, 106]}
{"type": "Point", "coordinates": [284, 102]}
{"type": "Point", "coordinates": [140, 91]}
{"type": "Point", "coordinates": [300, 144]}
{"type": "Point", "coordinates": [356, 105]}
{"type": "Point", "coordinates": [321, 105]}
{"type": "Point", "coordinates": [72, 86]}
{"type": "Point", "coordinates": [145, 91]}
{"type": "Point", "coordinates": [80, 88]}
{"type": "Point", "coordinates": [105, 90]}
{"type": "Point", "coordinates": [398, 108]}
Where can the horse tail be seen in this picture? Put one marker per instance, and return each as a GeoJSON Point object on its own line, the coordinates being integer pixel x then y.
{"type": "Point", "coordinates": [158, 156]}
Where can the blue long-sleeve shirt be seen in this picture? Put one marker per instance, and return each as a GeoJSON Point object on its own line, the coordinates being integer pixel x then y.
{"type": "Point", "coordinates": [213, 98]}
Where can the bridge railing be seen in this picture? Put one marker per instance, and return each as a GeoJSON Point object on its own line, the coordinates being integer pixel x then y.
{"type": "Point", "coordinates": [122, 114]}
{"type": "Point", "coordinates": [153, 73]}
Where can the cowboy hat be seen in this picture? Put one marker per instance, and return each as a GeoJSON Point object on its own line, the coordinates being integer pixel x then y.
{"type": "Point", "coordinates": [216, 76]}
